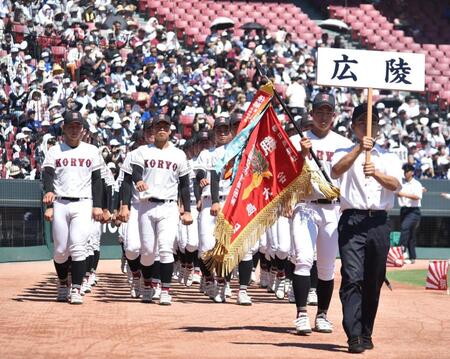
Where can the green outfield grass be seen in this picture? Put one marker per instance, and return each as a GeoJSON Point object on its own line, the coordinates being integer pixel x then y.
{"type": "Point", "coordinates": [415, 277]}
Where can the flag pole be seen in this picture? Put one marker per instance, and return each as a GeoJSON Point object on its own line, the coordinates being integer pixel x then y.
{"type": "Point", "coordinates": [291, 118]}
{"type": "Point", "coordinates": [369, 119]}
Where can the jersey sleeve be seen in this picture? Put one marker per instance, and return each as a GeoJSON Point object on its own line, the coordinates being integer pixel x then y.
{"type": "Point", "coordinates": [126, 165]}
{"type": "Point", "coordinates": [137, 158]}
{"type": "Point", "coordinates": [49, 160]}
{"type": "Point", "coordinates": [97, 159]}
{"type": "Point", "coordinates": [185, 167]}
{"type": "Point", "coordinates": [339, 154]}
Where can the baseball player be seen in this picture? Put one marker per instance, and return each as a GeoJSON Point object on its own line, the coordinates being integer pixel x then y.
{"type": "Point", "coordinates": [73, 186]}
{"type": "Point", "coordinates": [129, 228]}
{"type": "Point", "coordinates": [157, 172]}
{"type": "Point", "coordinates": [188, 236]}
{"type": "Point", "coordinates": [314, 222]}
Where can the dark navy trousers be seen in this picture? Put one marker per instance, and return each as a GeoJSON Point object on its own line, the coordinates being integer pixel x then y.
{"type": "Point", "coordinates": [363, 248]}
{"type": "Point", "coordinates": [410, 219]}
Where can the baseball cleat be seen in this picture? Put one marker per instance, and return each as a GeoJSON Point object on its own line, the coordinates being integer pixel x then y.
{"type": "Point", "coordinates": [280, 287]}
{"type": "Point", "coordinates": [157, 290]}
{"type": "Point", "coordinates": [92, 280]}
{"type": "Point", "coordinates": [63, 293]}
{"type": "Point", "coordinates": [219, 294]}
{"type": "Point", "coordinates": [165, 298]}
{"type": "Point", "coordinates": [136, 287]}
{"type": "Point", "coordinates": [263, 279]}
{"type": "Point", "coordinates": [85, 287]}
{"type": "Point", "coordinates": [228, 291]}
{"type": "Point", "coordinates": [75, 296]}
{"type": "Point", "coordinates": [323, 325]}
{"type": "Point", "coordinates": [147, 294]}
{"type": "Point", "coordinates": [196, 278]}
{"type": "Point", "coordinates": [253, 277]}
{"type": "Point", "coordinates": [243, 298]}
{"type": "Point", "coordinates": [302, 324]}
{"type": "Point", "coordinates": [188, 277]}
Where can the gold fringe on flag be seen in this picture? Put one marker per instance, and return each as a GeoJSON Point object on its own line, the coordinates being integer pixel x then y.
{"type": "Point", "coordinates": [330, 191]}
{"type": "Point", "coordinates": [225, 255]}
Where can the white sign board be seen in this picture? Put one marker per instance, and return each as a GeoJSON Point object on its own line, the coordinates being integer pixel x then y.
{"type": "Point", "coordinates": [376, 69]}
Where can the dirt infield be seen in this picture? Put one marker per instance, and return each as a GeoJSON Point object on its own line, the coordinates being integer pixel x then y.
{"type": "Point", "coordinates": [412, 322]}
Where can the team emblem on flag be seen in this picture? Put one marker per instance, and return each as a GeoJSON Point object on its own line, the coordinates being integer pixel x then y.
{"type": "Point", "coordinates": [395, 257]}
{"type": "Point", "coordinates": [437, 275]}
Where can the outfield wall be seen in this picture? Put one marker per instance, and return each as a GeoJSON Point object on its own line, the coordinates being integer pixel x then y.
{"type": "Point", "coordinates": [25, 236]}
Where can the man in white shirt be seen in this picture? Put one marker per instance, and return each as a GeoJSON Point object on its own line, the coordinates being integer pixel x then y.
{"type": "Point", "coordinates": [367, 193]}
{"type": "Point", "coordinates": [296, 94]}
{"type": "Point", "coordinates": [409, 200]}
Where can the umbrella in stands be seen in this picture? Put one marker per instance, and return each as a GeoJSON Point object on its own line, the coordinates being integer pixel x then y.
{"type": "Point", "coordinates": [253, 26]}
{"type": "Point", "coordinates": [110, 20]}
{"type": "Point", "coordinates": [222, 23]}
{"type": "Point", "coordinates": [334, 25]}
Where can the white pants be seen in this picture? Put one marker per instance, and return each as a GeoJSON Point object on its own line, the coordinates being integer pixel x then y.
{"type": "Point", "coordinates": [158, 230]}
{"type": "Point", "coordinates": [131, 236]}
{"type": "Point", "coordinates": [315, 225]}
{"type": "Point", "coordinates": [71, 227]}
{"type": "Point", "coordinates": [188, 235]}
{"type": "Point", "coordinates": [206, 224]}
{"type": "Point", "coordinates": [279, 238]}
{"type": "Point", "coordinates": [94, 238]}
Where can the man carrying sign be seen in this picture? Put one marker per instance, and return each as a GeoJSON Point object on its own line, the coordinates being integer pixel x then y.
{"type": "Point", "coordinates": [367, 193]}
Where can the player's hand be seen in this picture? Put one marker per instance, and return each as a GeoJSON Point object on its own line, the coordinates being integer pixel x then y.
{"type": "Point", "coordinates": [369, 169]}
{"type": "Point", "coordinates": [186, 218]}
{"type": "Point", "coordinates": [367, 143]}
{"type": "Point", "coordinates": [306, 145]}
{"type": "Point", "coordinates": [215, 209]}
{"type": "Point", "coordinates": [106, 216]}
{"type": "Point", "coordinates": [204, 182]}
{"type": "Point", "coordinates": [97, 214]}
{"type": "Point", "coordinates": [124, 214]}
{"type": "Point", "coordinates": [48, 214]}
{"type": "Point", "coordinates": [49, 198]}
{"type": "Point", "coordinates": [199, 205]}
{"type": "Point", "coordinates": [141, 186]}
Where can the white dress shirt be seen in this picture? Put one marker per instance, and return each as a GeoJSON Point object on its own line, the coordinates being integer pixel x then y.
{"type": "Point", "coordinates": [413, 187]}
{"type": "Point", "coordinates": [361, 192]}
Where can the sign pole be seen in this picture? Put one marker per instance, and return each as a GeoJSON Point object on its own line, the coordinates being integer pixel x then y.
{"type": "Point", "coordinates": [369, 119]}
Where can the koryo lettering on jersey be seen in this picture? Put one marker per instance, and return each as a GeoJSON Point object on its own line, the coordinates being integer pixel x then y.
{"type": "Point", "coordinates": [73, 162]}
{"type": "Point", "coordinates": [162, 164]}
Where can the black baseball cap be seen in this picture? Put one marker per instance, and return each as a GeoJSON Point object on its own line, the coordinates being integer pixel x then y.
{"type": "Point", "coordinates": [162, 118]}
{"type": "Point", "coordinates": [203, 136]}
{"type": "Point", "coordinates": [360, 110]}
{"type": "Point", "coordinates": [408, 167]}
{"type": "Point", "coordinates": [324, 99]}
{"type": "Point", "coordinates": [72, 116]}
{"type": "Point", "coordinates": [148, 124]}
{"type": "Point", "coordinates": [222, 121]}
{"type": "Point", "coordinates": [236, 118]}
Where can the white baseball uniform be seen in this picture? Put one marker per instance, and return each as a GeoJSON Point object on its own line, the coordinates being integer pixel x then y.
{"type": "Point", "coordinates": [158, 211]}
{"type": "Point", "coordinates": [188, 234]}
{"type": "Point", "coordinates": [314, 225]}
{"type": "Point", "coordinates": [130, 230]}
{"type": "Point", "coordinates": [73, 205]}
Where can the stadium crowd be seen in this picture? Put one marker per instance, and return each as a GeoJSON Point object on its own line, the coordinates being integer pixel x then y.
{"type": "Point", "coordinates": [120, 70]}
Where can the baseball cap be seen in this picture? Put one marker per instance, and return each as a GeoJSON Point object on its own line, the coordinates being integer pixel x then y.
{"type": "Point", "coordinates": [114, 142]}
{"type": "Point", "coordinates": [235, 118]}
{"type": "Point", "coordinates": [407, 167]}
{"type": "Point", "coordinates": [322, 99]}
{"type": "Point", "coordinates": [71, 116]}
{"type": "Point", "coordinates": [147, 124]}
{"type": "Point", "coordinates": [162, 118]}
{"type": "Point", "coordinates": [222, 121]}
{"type": "Point", "coordinates": [360, 110]}
{"type": "Point", "coordinates": [434, 125]}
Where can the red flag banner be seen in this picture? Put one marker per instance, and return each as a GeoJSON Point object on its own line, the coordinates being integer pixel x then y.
{"type": "Point", "coordinates": [271, 177]}
{"type": "Point", "coordinates": [256, 107]}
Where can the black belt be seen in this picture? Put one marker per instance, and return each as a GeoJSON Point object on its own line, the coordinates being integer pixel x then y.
{"type": "Point", "coordinates": [72, 199]}
{"type": "Point", "coordinates": [157, 200]}
{"type": "Point", "coordinates": [366, 212]}
{"type": "Point", "coordinates": [325, 201]}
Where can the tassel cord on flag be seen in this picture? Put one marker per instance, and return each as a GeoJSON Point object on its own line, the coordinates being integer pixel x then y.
{"type": "Point", "coordinates": [297, 128]}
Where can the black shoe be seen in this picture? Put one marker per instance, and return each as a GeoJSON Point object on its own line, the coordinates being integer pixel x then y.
{"type": "Point", "coordinates": [355, 345]}
{"type": "Point", "coordinates": [367, 343]}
